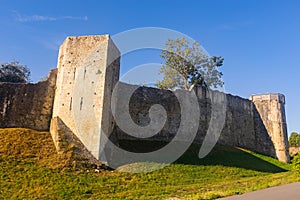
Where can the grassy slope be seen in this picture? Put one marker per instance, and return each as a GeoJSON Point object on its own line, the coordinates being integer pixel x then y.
{"type": "Point", "coordinates": [31, 169]}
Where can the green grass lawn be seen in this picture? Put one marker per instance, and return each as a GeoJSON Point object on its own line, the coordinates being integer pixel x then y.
{"type": "Point", "coordinates": [31, 169]}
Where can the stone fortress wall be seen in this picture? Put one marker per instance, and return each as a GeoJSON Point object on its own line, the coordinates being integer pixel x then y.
{"type": "Point", "coordinates": [86, 76]}
{"type": "Point", "coordinates": [271, 108]}
{"type": "Point", "coordinates": [27, 105]}
{"type": "Point", "coordinates": [257, 124]}
{"type": "Point", "coordinates": [88, 69]}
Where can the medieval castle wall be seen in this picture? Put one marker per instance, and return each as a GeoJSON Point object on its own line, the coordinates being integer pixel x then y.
{"type": "Point", "coordinates": [88, 69]}
{"type": "Point", "coordinates": [272, 111]}
{"type": "Point", "coordinates": [245, 124]}
{"type": "Point", "coordinates": [27, 105]}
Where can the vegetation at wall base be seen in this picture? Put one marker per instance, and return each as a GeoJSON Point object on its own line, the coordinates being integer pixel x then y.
{"type": "Point", "coordinates": [296, 163]}
{"type": "Point", "coordinates": [31, 169]}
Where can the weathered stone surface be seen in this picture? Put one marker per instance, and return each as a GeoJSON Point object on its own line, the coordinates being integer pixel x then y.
{"type": "Point", "coordinates": [84, 86]}
{"type": "Point", "coordinates": [272, 111]}
{"type": "Point", "coordinates": [64, 139]}
{"type": "Point", "coordinates": [243, 126]}
{"type": "Point", "coordinates": [27, 105]}
{"type": "Point", "coordinates": [293, 151]}
{"type": "Point", "coordinates": [88, 68]}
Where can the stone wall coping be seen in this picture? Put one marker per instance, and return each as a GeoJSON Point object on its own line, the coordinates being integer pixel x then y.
{"type": "Point", "coordinates": [268, 97]}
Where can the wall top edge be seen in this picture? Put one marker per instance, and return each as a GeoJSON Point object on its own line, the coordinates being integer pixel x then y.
{"type": "Point", "coordinates": [268, 97]}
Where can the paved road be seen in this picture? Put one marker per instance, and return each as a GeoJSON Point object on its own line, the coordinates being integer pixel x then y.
{"type": "Point", "coordinates": [284, 192]}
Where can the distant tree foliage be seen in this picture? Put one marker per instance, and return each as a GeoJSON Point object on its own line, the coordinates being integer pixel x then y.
{"type": "Point", "coordinates": [294, 140]}
{"type": "Point", "coordinates": [14, 72]}
{"type": "Point", "coordinates": [185, 65]}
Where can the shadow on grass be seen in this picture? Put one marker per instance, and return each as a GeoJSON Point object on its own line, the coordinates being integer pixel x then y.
{"type": "Point", "coordinates": [220, 155]}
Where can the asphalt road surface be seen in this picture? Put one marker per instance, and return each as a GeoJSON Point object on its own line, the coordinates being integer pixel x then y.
{"type": "Point", "coordinates": [284, 192]}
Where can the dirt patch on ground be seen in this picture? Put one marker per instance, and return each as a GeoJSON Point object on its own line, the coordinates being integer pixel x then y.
{"type": "Point", "coordinates": [34, 146]}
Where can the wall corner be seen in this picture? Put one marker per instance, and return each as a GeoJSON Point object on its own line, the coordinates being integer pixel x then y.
{"type": "Point", "coordinates": [271, 108]}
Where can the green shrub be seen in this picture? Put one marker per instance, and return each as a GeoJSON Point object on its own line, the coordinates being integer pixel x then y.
{"type": "Point", "coordinates": [296, 163]}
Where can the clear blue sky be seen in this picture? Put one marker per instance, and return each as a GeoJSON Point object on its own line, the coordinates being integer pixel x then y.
{"type": "Point", "coordinates": [259, 39]}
